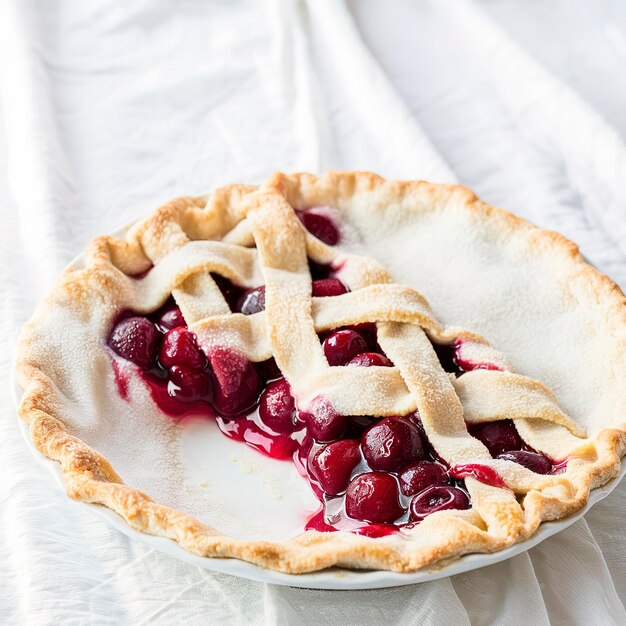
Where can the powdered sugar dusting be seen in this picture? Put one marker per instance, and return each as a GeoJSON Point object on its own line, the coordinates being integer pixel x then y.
{"type": "Point", "coordinates": [506, 290]}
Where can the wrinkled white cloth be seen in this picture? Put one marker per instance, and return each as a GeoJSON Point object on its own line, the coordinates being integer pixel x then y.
{"type": "Point", "coordinates": [112, 107]}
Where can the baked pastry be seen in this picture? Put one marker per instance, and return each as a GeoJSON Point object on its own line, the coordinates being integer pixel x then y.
{"type": "Point", "coordinates": [294, 315]}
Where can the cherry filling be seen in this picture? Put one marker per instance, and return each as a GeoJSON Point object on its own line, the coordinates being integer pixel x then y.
{"type": "Point", "coordinates": [323, 423]}
{"type": "Point", "coordinates": [179, 347]}
{"type": "Point", "coordinates": [320, 226]}
{"type": "Point", "coordinates": [332, 465]}
{"type": "Point", "coordinates": [277, 407]}
{"type": "Point", "coordinates": [451, 359]}
{"type": "Point", "coordinates": [189, 385]}
{"type": "Point", "coordinates": [231, 292]}
{"type": "Point", "coordinates": [480, 472]}
{"type": "Point", "coordinates": [137, 340]}
{"type": "Point", "coordinates": [498, 437]}
{"type": "Point", "coordinates": [533, 461]}
{"type": "Point", "coordinates": [320, 271]}
{"type": "Point", "coordinates": [342, 346]}
{"type": "Point", "coordinates": [418, 476]}
{"type": "Point", "coordinates": [252, 301]}
{"type": "Point", "coordinates": [170, 317]}
{"type": "Point", "coordinates": [391, 444]}
{"type": "Point", "coordinates": [326, 287]}
{"type": "Point", "coordinates": [374, 497]}
{"type": "Point", "coordinates": [367, 359]}
{"type": "Point", "coordinates": [237, 382]}
{"type": "Point", "coordinates": [438, 498]}
{"type": "Point", "coordinates": [372, 475]}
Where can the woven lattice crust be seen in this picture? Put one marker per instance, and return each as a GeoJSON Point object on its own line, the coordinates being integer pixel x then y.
{"type": "Point", "coordinates": [189, 238]}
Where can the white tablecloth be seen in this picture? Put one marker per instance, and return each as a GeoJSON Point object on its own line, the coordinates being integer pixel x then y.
{"type": "Point", "coordinates": [111, 107]}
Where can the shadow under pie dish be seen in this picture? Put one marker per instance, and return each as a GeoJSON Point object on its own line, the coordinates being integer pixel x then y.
{"type": "Point", "coordinates": [443, 375]}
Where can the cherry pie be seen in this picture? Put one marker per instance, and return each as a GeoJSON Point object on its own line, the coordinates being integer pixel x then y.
{"type": "Point", "coordinates": [292, 316]}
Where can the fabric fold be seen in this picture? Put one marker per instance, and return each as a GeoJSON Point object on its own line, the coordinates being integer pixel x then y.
{"type": "Point", "coordinates": [110, 109]}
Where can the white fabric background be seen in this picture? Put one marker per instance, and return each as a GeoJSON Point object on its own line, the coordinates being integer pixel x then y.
{"type": "Point", "coordinates": [111, 107]}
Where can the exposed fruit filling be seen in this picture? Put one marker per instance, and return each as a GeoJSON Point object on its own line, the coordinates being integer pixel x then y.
{"type": "Point", "coordinates": [372, 475]}
{"type": "Point", "coordinates": [319, 225]}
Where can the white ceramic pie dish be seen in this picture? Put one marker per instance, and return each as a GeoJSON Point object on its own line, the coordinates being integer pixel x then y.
{"type": "Point", "coordinates": [327, 579]}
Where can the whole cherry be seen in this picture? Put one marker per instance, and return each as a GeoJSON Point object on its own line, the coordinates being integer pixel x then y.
{"type": "Point", "coordinates": [391, 444]}
{"type": "Point", "coordinates": [277, 407]}
{"type": "Point", "coordinates": [438, 498]}
{"type": "Point", "coordinates": [417, 476]}
{"type": "Point", "coordinates": [333, 463]}
{"type": "Point", "coordinates": [328, 287]}
{"type": "Point", "coordinates": [531, 460]}
{"type": "Point", "coordinates": [237, 382]}
{"type": "Point", "coordinates": [373, 497]}
{"type": "Point", "coordinates": [136, 339]}
{"type": "Point", "coordinates": [180, 347]}
{"type": "Point", "coordinates": [189, 385]}
{"type": "Point", "coordinates": [342, 346]}
{"type": "Point", "coordinates": [322, 421]}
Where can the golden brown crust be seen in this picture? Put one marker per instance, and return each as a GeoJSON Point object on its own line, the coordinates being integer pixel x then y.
{"type": "Point", "coordinates": [238, 214]}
